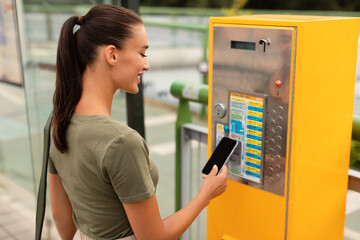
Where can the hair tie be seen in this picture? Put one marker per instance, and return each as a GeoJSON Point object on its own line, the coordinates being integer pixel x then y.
{"type": "Point", "coordinates": [80, 20]}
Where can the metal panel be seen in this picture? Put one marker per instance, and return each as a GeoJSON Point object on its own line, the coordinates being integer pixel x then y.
{"type": "Point", "coordinates": [190, 132]}
{"type": "Point", "coordinates": [256, 61]}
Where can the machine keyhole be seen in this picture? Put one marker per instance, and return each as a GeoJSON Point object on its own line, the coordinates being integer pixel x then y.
{"type": "Point", "coordinates": [264, 41]}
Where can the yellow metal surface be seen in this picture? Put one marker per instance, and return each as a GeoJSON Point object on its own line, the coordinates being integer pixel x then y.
{"type": "Point", "coordinates": [323, 81]}
{"type": "Point", "coordinates": [275, 20]}
{"type": "Point", "coordinates": [255, 26]}
{"type": "Point", "coordinates": [227, 237]}
{"type": "Point", "coordinates": [240, 213]}
{"type": "Point", "coordinates": [322, 122]}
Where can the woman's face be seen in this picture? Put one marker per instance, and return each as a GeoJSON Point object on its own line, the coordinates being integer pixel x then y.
{"type": "Point", "coordinates": [132, 61]}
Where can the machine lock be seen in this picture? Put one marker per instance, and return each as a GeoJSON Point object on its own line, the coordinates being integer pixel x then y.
{"type": "Point", "coordinates": [264, 41]}
{"type": "Point", "coordinates": [219, 110]}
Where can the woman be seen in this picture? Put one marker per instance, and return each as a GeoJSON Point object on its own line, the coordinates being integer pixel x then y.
{"type": "Point", "coordinates": [101, 179]}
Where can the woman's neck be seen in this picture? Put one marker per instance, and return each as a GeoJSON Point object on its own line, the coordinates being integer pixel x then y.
{"type": "Point", "coordinates": [97, 93]}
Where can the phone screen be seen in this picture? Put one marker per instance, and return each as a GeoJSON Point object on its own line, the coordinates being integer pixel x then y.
{"type": "Point", "coordinates": [220, 155]}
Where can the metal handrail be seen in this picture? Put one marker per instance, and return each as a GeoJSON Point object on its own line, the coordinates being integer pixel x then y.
{"type": "Point", "coordinates": [198, 133]}
{"type": "Point", "coordinates": [185, 92]}
{"type": "Point", "coordinates": [190, 92]}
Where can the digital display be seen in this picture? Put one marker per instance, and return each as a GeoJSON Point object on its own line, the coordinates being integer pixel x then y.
{"type": "Point", "coordinates": [243, 45]}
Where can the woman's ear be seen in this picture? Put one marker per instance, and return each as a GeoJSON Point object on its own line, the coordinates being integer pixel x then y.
{"type": "Point", "coordinates": [111, 54]}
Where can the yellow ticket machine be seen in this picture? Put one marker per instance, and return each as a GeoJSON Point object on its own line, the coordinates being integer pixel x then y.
{"type": "Point", "coordinates": [283, 86]}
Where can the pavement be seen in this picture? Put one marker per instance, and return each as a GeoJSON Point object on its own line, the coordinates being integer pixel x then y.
{"type": "Point", "coordinates": [16, 220]}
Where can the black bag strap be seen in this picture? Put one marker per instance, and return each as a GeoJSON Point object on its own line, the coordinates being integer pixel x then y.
{"type": "Point", "coordinates": [41, 200]}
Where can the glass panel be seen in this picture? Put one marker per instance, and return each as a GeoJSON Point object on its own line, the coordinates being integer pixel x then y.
{"type": "Point", "coordinates": [15, 154]}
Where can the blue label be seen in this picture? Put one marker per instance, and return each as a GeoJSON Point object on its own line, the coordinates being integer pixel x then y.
{"type": "Point", "coordinates": [252, 174]}
{"type": "Point", "coordinates": [257, 138]}
{"type": "Point", "coordinates": [254, 165]}
{"type": "Point", "coordinates": [249, 145]}
{"type": "Point", "coordinates": [255, 109]}
{"type": "Point", "coordinates": [250, 117]}
{"type": "Point", "coordinates": [253, 155]}
{"type": "Point", "coordinates": [237, 127]}
{"type": "Point", "coordinates": [252, 127]}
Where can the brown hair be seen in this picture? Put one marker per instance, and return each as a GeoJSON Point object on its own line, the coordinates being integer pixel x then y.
{"type": "Point", "coordinates": [102, 25]}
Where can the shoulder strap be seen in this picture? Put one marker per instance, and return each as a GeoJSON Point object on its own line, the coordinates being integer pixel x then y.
{"type": "Point", "coordinates": [41, 200]}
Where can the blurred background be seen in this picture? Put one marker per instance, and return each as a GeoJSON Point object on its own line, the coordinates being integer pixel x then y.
{"type": "Point", "coordinates": [178, 38]}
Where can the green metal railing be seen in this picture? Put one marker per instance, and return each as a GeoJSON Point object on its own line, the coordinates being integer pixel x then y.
{"type": "Point", "coordinates": [186, 93]}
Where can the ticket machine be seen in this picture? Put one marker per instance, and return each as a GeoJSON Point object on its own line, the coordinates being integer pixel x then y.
{"type": "Point", "coordinates": [283, 86]}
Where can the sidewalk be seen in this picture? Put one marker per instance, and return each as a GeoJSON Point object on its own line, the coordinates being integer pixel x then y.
{"type": "Point", "coordinates": [16, 218]}
{"type": "Point", "coordinates": [17, 214]}
{"type": "Point", "coordinates": [15, 221]}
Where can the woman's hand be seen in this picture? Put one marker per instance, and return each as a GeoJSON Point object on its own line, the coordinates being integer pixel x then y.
{"type": "Point", "coordinates": [146, 221]}
{"type": "Point", "coordinates": [214, 185]}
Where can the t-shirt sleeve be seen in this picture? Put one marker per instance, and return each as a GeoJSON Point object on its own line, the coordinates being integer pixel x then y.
{"type": "Point", "coordinates": [127, 165]}
{"type": "Point", "coordinates": [52, 168]}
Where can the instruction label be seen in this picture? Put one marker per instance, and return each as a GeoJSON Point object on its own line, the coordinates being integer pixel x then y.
{"type": "Point", "coordinates": [246, 125]}
{"type": "Point", "coordinates": [220, 133]}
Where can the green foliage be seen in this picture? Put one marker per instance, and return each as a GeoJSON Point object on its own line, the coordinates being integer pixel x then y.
{"type": "Point", "coordinates": [338, 5]}
{"type": "Point", "coordinates": [355, 155]}
{"type": "Point", "coordinates": [187, 3]}
{"type": "Point", "coordinates": [323, 5]}
{"type": "Point", "coordinates": [235, 8]}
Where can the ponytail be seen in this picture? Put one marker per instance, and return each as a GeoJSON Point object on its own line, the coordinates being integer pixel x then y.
{"type": "Point", "coordinates": [68, 83]}
{"type": "Point", "coordinates": [102, 25]}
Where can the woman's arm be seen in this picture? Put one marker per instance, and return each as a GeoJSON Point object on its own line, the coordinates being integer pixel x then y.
{"type": "Point", "coordinates": [146, 221]}
{"type": "Point", "coordinates": [61, 208]}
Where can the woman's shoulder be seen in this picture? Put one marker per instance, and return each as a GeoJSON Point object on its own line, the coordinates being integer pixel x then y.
{"type": "Point", "coordinates": [101, 126]}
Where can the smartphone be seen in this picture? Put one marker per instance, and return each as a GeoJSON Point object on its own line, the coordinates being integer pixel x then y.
{"type": "Point", "coordinates": [220, 155]}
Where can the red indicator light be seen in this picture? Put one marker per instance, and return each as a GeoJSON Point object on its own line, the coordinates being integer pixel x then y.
{"type": "Point", "coordinates": [278, 83]}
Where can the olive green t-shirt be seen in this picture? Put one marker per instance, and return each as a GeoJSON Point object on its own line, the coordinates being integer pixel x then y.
{"type": "Point", "coordinates": [107, 164]}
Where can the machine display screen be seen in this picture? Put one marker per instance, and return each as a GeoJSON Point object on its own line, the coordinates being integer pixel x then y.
{"type": "Point", "coordinates": [247, 125]}
{"type": "Point", "coordinates": [243, 45]}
